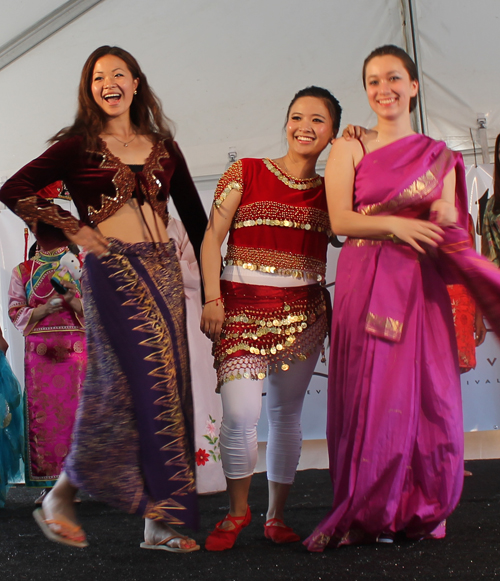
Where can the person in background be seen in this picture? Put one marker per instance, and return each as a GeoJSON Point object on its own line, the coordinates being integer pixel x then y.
{"type": "Point", "coordinates": [11, 424]}
{"type": "Point", "coordinates": [54, 361]}
{"type": "Point", "coordinates": [267, 313]}
{"type": "Point", "coordinates": [490, 240]}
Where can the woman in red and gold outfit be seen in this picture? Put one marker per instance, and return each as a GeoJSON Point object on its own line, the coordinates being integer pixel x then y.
{"type": "Point", "coordinates": [267, 312]}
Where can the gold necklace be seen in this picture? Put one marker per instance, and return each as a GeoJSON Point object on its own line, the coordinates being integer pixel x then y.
{"type": "Point", "coordinates": [125, 143]}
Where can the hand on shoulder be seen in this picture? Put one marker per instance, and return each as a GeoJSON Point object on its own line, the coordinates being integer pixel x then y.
{"type": "Point", "coordinates": [344, 150]}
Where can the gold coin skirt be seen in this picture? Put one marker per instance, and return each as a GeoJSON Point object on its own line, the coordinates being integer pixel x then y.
{"type": "Point", "coordinates": [267, 329]}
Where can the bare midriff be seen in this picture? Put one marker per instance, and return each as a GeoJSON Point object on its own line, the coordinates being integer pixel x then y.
{"type": "Point", "coordinates": [128, 225]}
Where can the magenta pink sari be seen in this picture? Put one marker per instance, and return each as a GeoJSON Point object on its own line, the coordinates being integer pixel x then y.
{"type": "Point", "coordinates": [395, 432]}
{"type": "Point", "coordinates": [54, 366]}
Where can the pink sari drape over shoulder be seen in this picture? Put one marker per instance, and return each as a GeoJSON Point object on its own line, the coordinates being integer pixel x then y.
{"type": "Point", "coordinates": [395, 432]}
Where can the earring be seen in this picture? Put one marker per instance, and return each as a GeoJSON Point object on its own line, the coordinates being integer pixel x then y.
{"type": "Point", "coordinates": [135, 92]}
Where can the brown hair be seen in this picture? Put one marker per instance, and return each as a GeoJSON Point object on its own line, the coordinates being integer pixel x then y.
{"type": "Point", "coordinates": [328, 99]}
{"type": "Point", "coordinates": [146, 112]}
{"type": "Point", "coordinates": [403, 56]}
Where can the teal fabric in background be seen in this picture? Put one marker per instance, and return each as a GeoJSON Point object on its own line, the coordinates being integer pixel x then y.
{"type": "Point", "coordinates": [11, 428]}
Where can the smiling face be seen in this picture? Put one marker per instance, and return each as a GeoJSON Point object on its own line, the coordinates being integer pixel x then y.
{"type": "Point", "coordinates": [309, 128]}
{"type": "Point", "coordinates": [389, 87]}
{"type": "Point", "coordinates": [113, 85]}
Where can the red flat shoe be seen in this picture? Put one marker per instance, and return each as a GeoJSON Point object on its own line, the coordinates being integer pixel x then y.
{"type": "Point", "coordinates": [222, 539]}
{"type": "Point", "coordinates": [279, 533]}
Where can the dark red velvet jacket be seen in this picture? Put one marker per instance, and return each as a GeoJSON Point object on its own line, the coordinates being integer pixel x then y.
{"type": "Point", "coordinates": [100, 184]}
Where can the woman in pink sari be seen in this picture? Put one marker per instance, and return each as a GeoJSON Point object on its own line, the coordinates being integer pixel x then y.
{"type": "Point", "coordinates": [53, 328]}
{"type": "Point", "coordinates": [394, 429]}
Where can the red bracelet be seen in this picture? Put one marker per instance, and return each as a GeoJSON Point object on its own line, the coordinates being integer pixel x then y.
{"type": "Point", "coordinates": [214, 301]}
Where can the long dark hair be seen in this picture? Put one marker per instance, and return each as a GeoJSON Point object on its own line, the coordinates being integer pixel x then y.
{"type": "Point", "coordinates": [146, 112]}
{"type": "Point", "coordinates": [403, 56]}
{"type": "Point", "coordinates": [328, 99]}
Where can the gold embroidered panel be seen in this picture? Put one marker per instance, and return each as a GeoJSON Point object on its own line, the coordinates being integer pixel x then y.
{"type": "Point", "coordinates": [29, 211]}
{"type": "Point", "coordinates": [275, 262]}
{"type": "Point", "coordinates": [418, 190]}
{"type": "Point", "coordinates": [358, 242]}
{"type": "Point", "coordinates": [125, 182]}
{"type": "Point", "coordinates": [384, 326]}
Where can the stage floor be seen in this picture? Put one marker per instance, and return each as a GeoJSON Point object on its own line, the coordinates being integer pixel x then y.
{"type": "Point", "coordinates": [470, 551]}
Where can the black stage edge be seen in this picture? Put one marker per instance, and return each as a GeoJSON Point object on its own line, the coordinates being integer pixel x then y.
{"type": "Point", "coordinates": [470, 551]}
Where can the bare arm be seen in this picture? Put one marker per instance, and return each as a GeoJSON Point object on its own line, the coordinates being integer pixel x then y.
{"type": "Point", "coordinates": [339, 179]}
{"type": "Point", "coordinates": [446, 212]}
{"type": "Point", "coordinates": [218, 226]}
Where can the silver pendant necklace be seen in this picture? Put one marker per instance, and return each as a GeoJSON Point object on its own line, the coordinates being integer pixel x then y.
{"type": "Point", "coordinates": [124, 143]}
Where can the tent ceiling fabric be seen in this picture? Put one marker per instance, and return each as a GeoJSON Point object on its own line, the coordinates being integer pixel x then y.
{"type": "Point", "coordinates": [459, 56]}
{"type": "Point", "coordinates": [224, 70]}
{"type": "Point", "coordinates": [22, 14]}
{"type": "Point", "coordinates": [227, 70]}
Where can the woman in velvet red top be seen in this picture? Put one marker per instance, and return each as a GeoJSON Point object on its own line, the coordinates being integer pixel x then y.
{"type": "Point", "coordinates": [133, 440]}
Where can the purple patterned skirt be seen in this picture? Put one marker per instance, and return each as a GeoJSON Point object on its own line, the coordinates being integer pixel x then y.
{"type": "Point", "coordinates": [133, 442]}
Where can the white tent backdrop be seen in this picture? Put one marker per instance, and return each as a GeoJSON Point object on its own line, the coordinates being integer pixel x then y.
{"type": "Point", "coordinates": [226, 71]}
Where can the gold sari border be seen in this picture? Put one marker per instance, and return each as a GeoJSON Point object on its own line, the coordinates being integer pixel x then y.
{"type": "Point", "coordinates": [418, 190]}
{"type": "Point", "coordinates": [385, 327]}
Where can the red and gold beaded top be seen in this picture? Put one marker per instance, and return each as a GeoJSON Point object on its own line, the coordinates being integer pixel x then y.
{"type": "Point", "coordinates": [281, 225]}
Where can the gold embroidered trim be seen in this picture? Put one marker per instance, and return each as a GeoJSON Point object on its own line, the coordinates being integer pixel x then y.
{"type": "Point", "coordinates": [456, 247]}
{"type": "Point", "coordinates": [231, 180]}
{"type": "Point", "coordinates": [29, 210]}
{"type": "Point", "coordinates": [283, 215]}
{"type": "Point", "coordinates": [319, 540]}
{"type": "Point", "coordinates": [291, 181]}
{"type": "Point", "coordinates": [358, 242]}
{"type": "Point", "coordinates": [419, 189]}
{"type": "Point", "coordinates": [384, 326]}
{"type": "Point", "coordinates": [125, 183]}
{"type": "Point", "coordinates": [275, 262]}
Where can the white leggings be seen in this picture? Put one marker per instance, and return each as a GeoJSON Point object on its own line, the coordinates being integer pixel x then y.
{"type": "Point", "coordinates": [241, 404]}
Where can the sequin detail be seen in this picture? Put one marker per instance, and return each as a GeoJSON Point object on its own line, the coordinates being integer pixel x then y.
{"type": "Point", "coordinates": [282, 215]}
{"type": "Point", "coordinates": [261, 336]}
{"type": "Point", "coordinates": [275, 262]}
{"type": "Point", "coordinates": [290, 181]}
{"type": "Point", "coordinates": [231, 180]}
